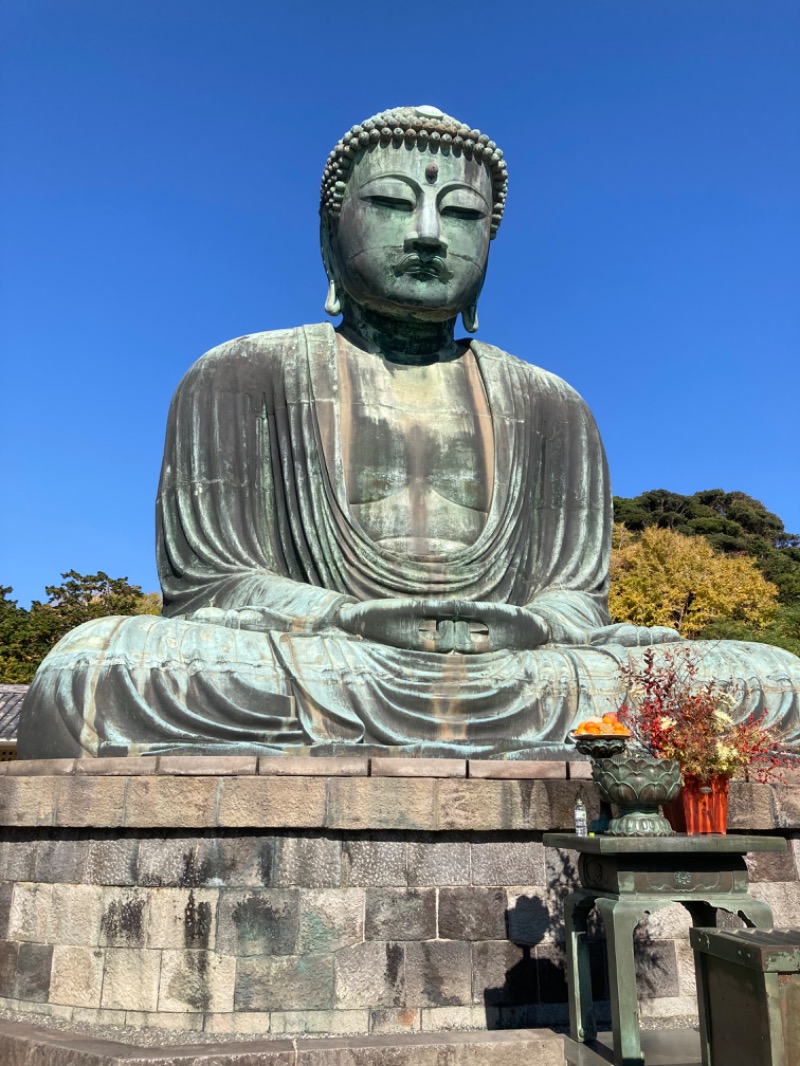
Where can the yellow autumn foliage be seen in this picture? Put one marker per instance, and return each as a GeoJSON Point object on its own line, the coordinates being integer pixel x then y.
{"type": "Point", "coordinates": [150, 603]}
{"type": "Point", "coordinates": [662, 578]}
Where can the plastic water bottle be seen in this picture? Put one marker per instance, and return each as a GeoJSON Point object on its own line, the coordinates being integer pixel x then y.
{"type": "Point", "coordinates": [580, 817]}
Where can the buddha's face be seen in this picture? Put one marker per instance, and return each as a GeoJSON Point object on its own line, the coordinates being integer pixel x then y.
{"type": "Point", "coordinates": [413, 234]}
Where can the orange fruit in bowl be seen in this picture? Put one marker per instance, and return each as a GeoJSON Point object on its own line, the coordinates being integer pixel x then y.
{"type": "Point", "coordinates": [608, 725]}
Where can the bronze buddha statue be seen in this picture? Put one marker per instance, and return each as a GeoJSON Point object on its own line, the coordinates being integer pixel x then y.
{"type": "Point", "coordinates": [377, 534]}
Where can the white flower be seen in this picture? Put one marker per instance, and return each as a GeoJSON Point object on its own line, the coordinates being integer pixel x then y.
{"type": "Point", "coordinates": [726, 756]}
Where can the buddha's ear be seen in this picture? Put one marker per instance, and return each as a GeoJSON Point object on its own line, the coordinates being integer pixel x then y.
{"type": "Point", "coordinates": [333, 303]}
{"type": "Point", "coordinates": [333, 306]}
{"type": "Point", "coordinates": [469, 316]}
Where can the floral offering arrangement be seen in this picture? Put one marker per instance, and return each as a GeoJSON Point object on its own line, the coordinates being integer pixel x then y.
{"type": "Point", "coordinates": [671, 716]}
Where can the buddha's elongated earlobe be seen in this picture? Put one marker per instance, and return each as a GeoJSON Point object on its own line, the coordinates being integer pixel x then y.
{"type": "Point", "coordinates": [333, 306]}
{"type": "Point", "coordinates": [469, 316]}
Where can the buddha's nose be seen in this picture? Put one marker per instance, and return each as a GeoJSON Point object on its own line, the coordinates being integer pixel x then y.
{"type": "Point", "coordinates": [426, 232]}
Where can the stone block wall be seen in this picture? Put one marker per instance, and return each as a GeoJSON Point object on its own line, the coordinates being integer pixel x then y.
{"type": "Point", "coordinates": [362, 901]}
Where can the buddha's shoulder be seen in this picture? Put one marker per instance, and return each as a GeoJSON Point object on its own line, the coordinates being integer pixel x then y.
{"type": "Point", "coordinates": [274, 344]}
{"type": "Point", "coordinates": [524, 376]}
{"type": "Point", "coordinates": [257, 354]}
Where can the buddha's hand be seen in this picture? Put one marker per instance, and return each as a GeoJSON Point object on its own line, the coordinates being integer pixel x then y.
{"type": "Point", "coordinates": [443, 625]}
{"type": "Point", "coordinates": [260, 619]}
{"type": "Point", "coordinates": [630, 636]}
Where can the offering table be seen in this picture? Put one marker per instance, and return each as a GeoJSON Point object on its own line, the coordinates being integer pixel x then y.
{"type": "Point", "coordinates": [625, 878]}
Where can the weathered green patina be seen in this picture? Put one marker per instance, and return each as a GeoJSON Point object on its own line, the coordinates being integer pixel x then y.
{"type": "Point", "coordinates": [625, 878]}
{"type": "Point", "coordinates": [379, 534]}
{"type": "Point", "coordinates": [748, 992]}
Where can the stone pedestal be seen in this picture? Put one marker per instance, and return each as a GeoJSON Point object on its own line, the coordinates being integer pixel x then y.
{"type": "Point", "coordinates": [22, 1043]}
{"type": "Point", "coordinates": [291, 897]}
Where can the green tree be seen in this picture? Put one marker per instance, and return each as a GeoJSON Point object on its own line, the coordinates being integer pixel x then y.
{"type": "Point", "coordinates": [27, 636]}
{"type": "Point", "coordinates": [13, 619]}
{"type": "Point", "coordinates": [782, 632]}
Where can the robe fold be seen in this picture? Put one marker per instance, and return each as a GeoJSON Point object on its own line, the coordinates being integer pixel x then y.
{"type": "Point", "coordinates": [253, 512]}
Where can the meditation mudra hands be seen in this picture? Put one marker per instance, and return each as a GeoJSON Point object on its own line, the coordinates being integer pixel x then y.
{"type": "Point", "coordinates": [443, 625]}
{"type": "Point", "coordinates": [437, 625]}
{"type": "Point", "coordinates": [416, 625]}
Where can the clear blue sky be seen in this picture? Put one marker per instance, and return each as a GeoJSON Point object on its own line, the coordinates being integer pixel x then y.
{"type": "Point", "coordinates": [160, 172]}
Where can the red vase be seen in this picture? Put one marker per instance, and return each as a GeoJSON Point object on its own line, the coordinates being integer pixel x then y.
{"type": "Point", "coordinates": [700, 806]}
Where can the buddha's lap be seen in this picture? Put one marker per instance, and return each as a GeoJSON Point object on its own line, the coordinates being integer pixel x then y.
{"type": "Point", "coordinates": [147, 642]}
{"type": "Point", "coordinates": [145, 680]}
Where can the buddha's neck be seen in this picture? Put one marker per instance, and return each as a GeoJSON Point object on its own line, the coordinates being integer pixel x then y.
{"type": "Point", "coordinates": [399, 340]}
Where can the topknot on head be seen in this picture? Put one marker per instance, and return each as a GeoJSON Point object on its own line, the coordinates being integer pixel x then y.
{"type": "Point", "coordinates": [425, 126]}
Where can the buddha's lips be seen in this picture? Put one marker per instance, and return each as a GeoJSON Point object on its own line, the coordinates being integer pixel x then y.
{"type": "Point", "coordinates": [424, 267]}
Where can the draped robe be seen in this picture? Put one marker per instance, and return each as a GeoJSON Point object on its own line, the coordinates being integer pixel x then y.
{"type": "Point", "coordinates": [253, 510]}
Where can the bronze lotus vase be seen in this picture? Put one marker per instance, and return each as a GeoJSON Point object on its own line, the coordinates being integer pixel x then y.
{"type": "Point", "coordinates": [636, 784]}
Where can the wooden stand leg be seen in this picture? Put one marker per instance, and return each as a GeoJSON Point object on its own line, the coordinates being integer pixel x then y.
{"type": "Point", "coordinates": [702, 1003]}
{"type": "Point", "coordinates": [582, 1021]}
{"type": "Point", "coordinates": [620, 919]}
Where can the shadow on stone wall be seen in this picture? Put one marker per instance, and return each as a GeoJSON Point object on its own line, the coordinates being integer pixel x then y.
{"type": "Point", "coordinates": [536, 984]}
{"type": "Point", "coordinates": [534, 991]}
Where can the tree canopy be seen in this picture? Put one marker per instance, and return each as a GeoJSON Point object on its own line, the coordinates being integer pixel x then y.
{"type": "Point", "coordinates": [26, 636]}
{"type": "Point", "coordinates": [664, 578]}
{"type": "Point", "coordinates": [735, 526]}
{"type": "Point", "coordinates": [732, 523]}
